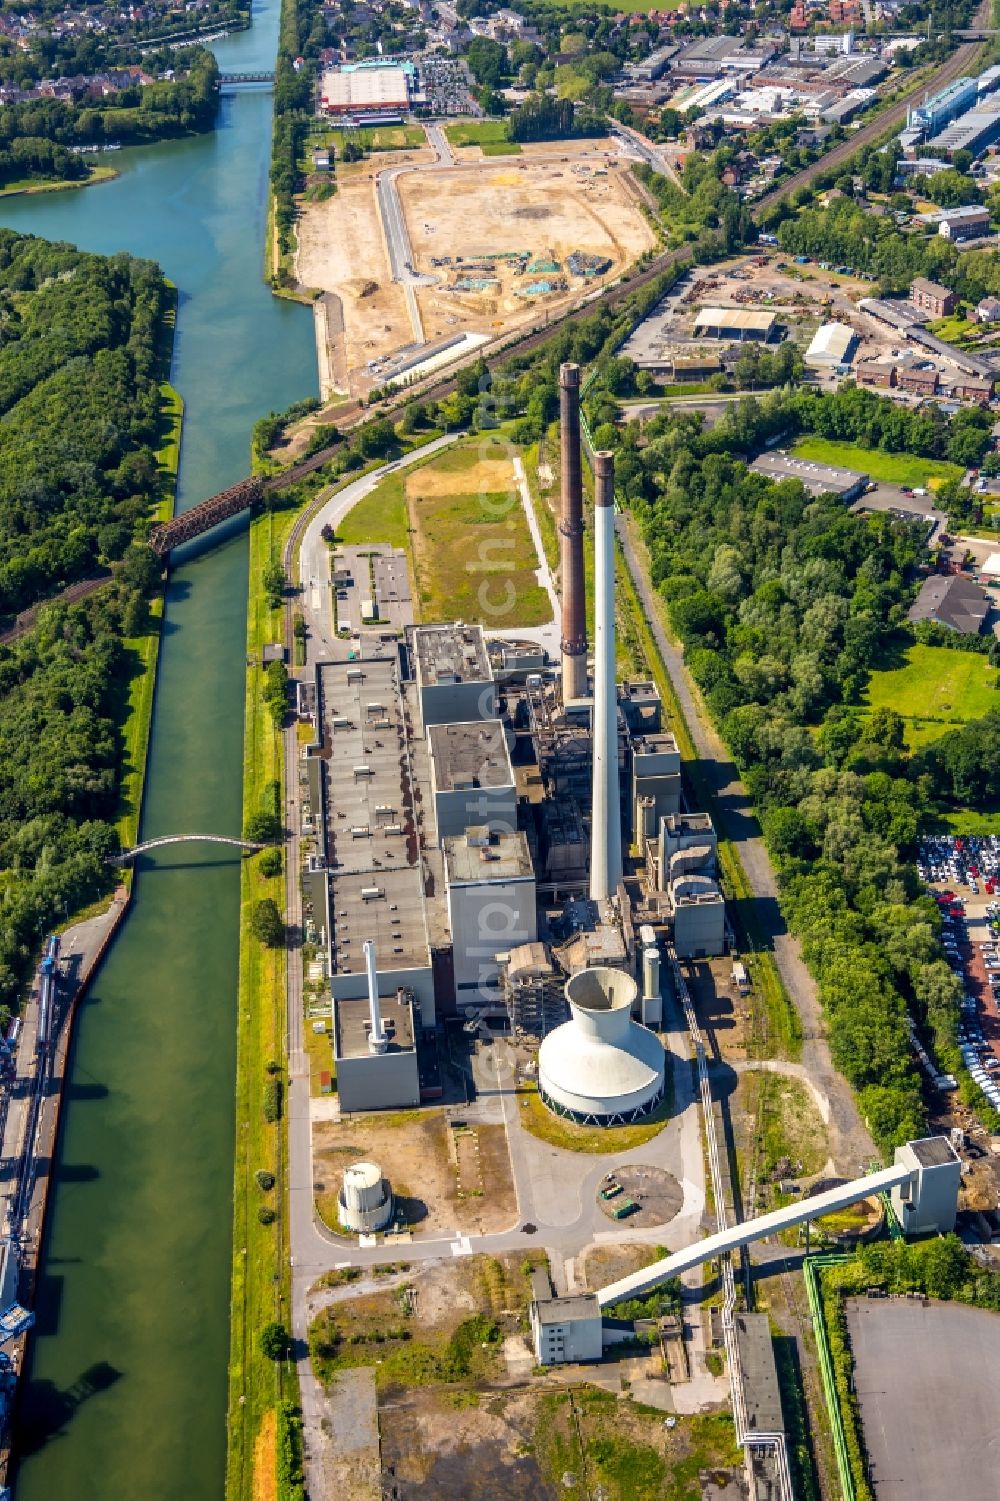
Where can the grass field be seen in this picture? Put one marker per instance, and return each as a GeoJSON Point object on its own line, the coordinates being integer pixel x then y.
{"type": "Point", "coordinates": [376, 138]}
{"type": "Point", "coordinates": [935, 691]}
{"type": "Point", "coordinates": [260, 1285]}
{"type": "Point", "coordinates": [890, 468]}
{"type": "Point", "coordinates": [478, 133]}
{"type": "Point", "coordinates": [500, 148]}
{"type": "Point", "coordinates": [380, 517]}
{"type": "Point", "coordinates": [40, 185]}
{"type": "Point", "coordinates": [600, 1140]}
{"type": "Point", "coordinates": [473, 556]}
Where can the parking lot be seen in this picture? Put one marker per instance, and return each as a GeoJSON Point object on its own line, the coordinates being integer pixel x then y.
{"type": "Point", "coordinates": [963, 874]}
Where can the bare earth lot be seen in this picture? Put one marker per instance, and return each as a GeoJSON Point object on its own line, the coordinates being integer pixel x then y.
{"type": "Point", "coordinates": [540, 203]}
{"type": "Point", "coordinates": [442, 1175]}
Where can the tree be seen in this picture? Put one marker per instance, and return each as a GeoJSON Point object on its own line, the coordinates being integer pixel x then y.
{"type": "Point", "coordinates": [266, 923]}
{"type": "Point", "coordinates": [269, 863]}
{"type": "Point", "coordinates": [273, 580]}
{"type": "Point", "coordinates": [274, 1341]}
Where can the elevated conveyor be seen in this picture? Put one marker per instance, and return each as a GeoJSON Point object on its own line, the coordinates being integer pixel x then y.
{"type": "Point", "coordinates": [743, 1234]}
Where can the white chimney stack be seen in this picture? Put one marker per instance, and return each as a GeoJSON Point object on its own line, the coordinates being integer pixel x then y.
{"type": "Point", "coordinates": [606, 829]}
{"type": "Point", "coordinates": [377, 1040]}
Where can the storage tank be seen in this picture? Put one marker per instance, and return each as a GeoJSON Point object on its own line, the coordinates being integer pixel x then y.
{"type": "Point", "coordinates": [365, 1198]}
{"type": "Point", "coordinates": [601, 1067]}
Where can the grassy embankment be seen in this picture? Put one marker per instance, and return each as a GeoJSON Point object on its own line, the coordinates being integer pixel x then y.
{"type": "Point", "coordinates": [260, 1284]}
{"type": "Point", "coordinates": [599, 1140]}
{"type": "Point", "coordinates": [144, 650]}
{"type": "Point", "coordinates": [888, 468]}
{"type": "Point", "coordinates": [30, 185]}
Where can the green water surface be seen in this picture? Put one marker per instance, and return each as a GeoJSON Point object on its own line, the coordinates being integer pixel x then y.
{"type": "Point", "coordinates": [126, 1388]}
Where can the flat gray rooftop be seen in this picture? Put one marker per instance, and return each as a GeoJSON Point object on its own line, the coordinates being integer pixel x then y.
{"type": "Point", "coordinates": [505, 857]}
{"type": "Point", "coordinates": [819, 479]}
{"type": "Point", "coordinates": [930, 1405]}
{"type": "Point", "coordinates": [470, 755]}
{"type": "Point", "coordinates": [451, 654]}
{"type": "Point", "coordinates": [933, 1151]}
{"type": "Point", "coordinates": [760, 1376]}
{"type": "Point", "coordinates": [353, 1023]}
{"type": "Point", "coordinates": [563, 1310]}
{"type": "Point", "coordinates": [688, 823]}
{"type": "Point", "coordinates": [371, 840]}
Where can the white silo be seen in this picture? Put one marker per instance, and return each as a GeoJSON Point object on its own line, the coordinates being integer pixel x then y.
{"type": "Point", "coordinates": [365, 1199]}
{"type": "Point", "coordinates": [601, 1067]}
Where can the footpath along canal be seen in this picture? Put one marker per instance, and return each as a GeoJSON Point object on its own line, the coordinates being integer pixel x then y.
{"type": "Point", "coordinates": [126, 1388]}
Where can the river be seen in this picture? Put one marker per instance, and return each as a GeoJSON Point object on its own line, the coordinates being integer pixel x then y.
{"type": "Point", "coordinates": [126, 1394]}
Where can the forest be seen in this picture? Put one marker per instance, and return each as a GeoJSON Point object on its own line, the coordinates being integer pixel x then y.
{"type": "Point", "coordinates": [785, 604]}
{"type": "Point", "coordinates": [80, 371]}
{"type": "Point", "coordinates": [81, 360]}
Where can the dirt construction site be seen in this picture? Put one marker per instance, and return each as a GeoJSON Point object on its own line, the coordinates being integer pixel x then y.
{"type": "Point", "coordinates": [496, 243]}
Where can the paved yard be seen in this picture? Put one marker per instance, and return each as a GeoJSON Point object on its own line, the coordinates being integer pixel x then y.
{"type": "Point", "coordinates": [930, 1404]}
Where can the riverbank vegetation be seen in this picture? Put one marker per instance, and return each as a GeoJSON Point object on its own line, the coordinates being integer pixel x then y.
{"type": "Point", "coordinates": [260, 1285]}
{"type": "Point", "coordinates": [90, 448]}
{"type": "Point", "coordinates": [40, 137]}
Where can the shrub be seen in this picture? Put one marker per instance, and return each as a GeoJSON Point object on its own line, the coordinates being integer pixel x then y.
{"type": "Point", "coordinates": [272, 1101]}
{"type": "Point", "coordinates": [265, 1179]}
{"type": "Point", "coordinates": [266, 1214]}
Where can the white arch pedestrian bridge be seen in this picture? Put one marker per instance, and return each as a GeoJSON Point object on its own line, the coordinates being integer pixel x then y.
{"type": "Point", "coordinates": [155, 844]}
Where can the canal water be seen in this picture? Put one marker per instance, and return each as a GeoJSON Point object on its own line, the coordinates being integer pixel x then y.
{"type": "Point", "coordinates": [126, 1392]}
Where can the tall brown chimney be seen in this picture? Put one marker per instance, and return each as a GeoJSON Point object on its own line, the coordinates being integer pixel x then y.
{"type": "Point", "coordinates": [574, 613]}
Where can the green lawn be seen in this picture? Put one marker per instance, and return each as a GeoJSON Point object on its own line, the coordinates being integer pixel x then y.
{"type": "Point", "coordinates": [891, 468]}
{"type": "Point", "coordinates": [478, 133]}
{"type": "Point", "coordinates": [937, 690]}
{"type": "Point", "coordinates": [501, 148]}
{"type": "Point", "coordinates": [380, 517]}
{"type": "Point", "coordinates": [953, 330]}
{"type": "Point", "coordinates": [376, 138]}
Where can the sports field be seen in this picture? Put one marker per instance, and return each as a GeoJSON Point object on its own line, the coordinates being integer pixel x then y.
{"type": "Point", "coordinates": [937, 690]}
{"type": "Point", "coordinates": [890, 468]}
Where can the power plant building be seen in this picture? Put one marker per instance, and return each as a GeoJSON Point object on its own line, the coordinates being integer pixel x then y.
{"type": "Point", "coordinates": [927, 1202]}
{"type": "Point", "coordinates": [685, 867]}
{"type": "Point", "coordinates": [376, 1080]}
{"type": "Point", "coordinates": [471, 777]}
{"type": "Point", "coordinates": [601, 1067]}
{"type": "Point", "coordinates": [491, 908]}
{"type": "Point", "coordinates": [454, 677]}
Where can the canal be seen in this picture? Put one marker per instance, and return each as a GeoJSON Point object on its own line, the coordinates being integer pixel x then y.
{"type": "Point", "coordinates": [126, 1388]}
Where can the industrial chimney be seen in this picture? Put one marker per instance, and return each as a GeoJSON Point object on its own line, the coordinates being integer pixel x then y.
{"type": "Point", "coordinates": [606, 822]}
{"type": "Point", "coordinates": [377, 1040]}
{"type": "Point", "coordinates": [574, 615]}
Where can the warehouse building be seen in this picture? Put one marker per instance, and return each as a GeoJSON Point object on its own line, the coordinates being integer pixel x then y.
{"type": "Point", "coordinates": [491, 907]}
{"type": "Point", "coordinates": [368, 1080]}
{"type": "Point", "coordinates": [819, 479]}
{"type": "Point", "coordinates": [367, 90]}
{"type": "Point", "coordinates": [735, 323]}
{"type": "Point", "coordinates": [946, 105]}
{"type": "Point", "coordinates": [973, 131]}
{"type": "Point", "coordinates": [832, 344]}
{"type": "Point", "coordinates": [374, 888]}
